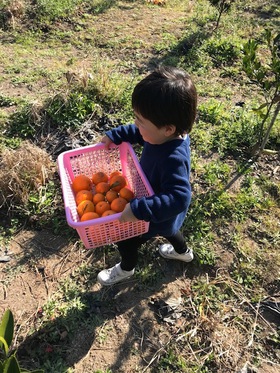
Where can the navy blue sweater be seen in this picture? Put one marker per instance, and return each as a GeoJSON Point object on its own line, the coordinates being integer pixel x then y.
{"type": "Point", "coordinates": [167, 167]}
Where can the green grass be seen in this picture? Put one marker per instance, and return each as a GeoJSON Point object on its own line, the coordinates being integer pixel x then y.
{"type": "Point", "coordinates": [73, 74]}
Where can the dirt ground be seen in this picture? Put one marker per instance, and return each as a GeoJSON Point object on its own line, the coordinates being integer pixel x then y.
{"type": "Point", "coordinates": [131, 323]}
{"type": "Point", "coordinates": [134, 321]}
{"type": "Point", "coordinates": [135, 334]}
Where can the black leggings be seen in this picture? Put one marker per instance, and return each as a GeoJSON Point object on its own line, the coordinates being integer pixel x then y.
{"type": "Point", "coordinates": [129, 248]}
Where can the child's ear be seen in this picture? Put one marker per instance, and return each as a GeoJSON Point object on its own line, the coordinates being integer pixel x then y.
{"type": "Point", "coordinates": [170, 129]}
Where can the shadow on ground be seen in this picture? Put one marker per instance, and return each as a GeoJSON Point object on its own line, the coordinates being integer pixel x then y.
{"type": "Point", "coordinates": [114, 328]}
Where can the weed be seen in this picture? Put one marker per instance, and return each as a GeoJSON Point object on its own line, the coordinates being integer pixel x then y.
{"type": "Point", "coordinates": [269, 187]}
{"type": "Point", "coordinates": [11, 143]}
{"type": "Point", "coordinates": [264, 75]}
{"type": "Point", "coordinates": [216, 173]}
{"type": "Point", "coordinates": [92, 66]}
{"type": "Point", "coordinates": [204, 252]}
{"type": "Point", "coordinates": [264, 232]}
{"type": "Point", "coordinates": [172, 363]}
{"type": "Point", "coordinates": [71, 111]}
{"type": "Point", "coordinates": [99, 6]}
{"type": "Point", "coordinates": [222, 51]}
{"type": "Point", "coordinates": [197, 225]}
{"type": "Point", "coordinates": [6, 101]}
{"type": "Point", "coordinates": [51, 10]}
{"type": "Point", "coordinates": [147, 275]}
{"type": "Point", "coordinates": [213, 112]}
{"type": "Point", "coordinates": [167, 43]}
{"type": "Point", "coordinates": [24, 123]}
{"type": "Point", "coordinates": [234, 128]}
{"type": "Point", "coordinates": [9, 362]}
{"type": "Point", "coordinates": [11, 273]}
{"type": "Point", "coordinates": [102, 333]}
{"type": "Point", "coordinates": [244, 274]}
{"type": "Point", "coordinates": [209, 294]}
{"type": "Point", "coordinates": [86, 274]}
{"type": "Point", "coordinates": [222, 6]}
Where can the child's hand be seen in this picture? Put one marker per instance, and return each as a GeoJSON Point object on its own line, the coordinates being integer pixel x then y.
{"type": "Point", "coordinates": [107, 141]}
{"type": "Point", "coordinates": [127, 215]}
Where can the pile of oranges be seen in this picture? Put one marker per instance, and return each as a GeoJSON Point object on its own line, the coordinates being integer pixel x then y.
{"type": "Point", "coordinates": [101, 195]}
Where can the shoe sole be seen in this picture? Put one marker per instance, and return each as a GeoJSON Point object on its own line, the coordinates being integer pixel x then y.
{"type": "Point", "coordinates": [113, 283]}
{"type": "Point", "coordinates": [171, 258]}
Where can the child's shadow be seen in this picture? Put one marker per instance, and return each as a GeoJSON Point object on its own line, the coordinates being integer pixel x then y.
{"type": "Point", "coordinates": [68, 339]}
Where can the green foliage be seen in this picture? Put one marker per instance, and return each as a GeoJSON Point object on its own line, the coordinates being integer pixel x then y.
{"type": "Point", "coordinates": [70, 111]}
{"type": "Point", "coordinates": [208, 294]}
{"type": "Point", "coordinates": [222, 6]}
{"type": "Point", "coordinates": [6, 331]}
{"type": "Point", "coordinates": [43, 208]}
{"type": "Point", "coordinates": [204, 253]}
{"type": "Point", "coordinates": [11, 365]}
{"type": "Point", "coordinates": [171, 362]}
{"type": "Point", "coordinates": [50, 10]}
{"type": "Point", "coordinates": [224, 205]}
{"type": "Point", "coordinates": [63, 112]}
{"type": "Point", "coordinates": [46, 12]}
{"type": "Point", "coordinates": [8, 362]}
{"type": "Point", "coordinates": [222, 51]}
{"type": "Point", "coordinates": [266, 75]}
{"type": "Point", "coordinates": [82, 100]}
{"type": "Point", "coordinates": [216, 173]}
{"type": "Point", "coordinates": [12, 143]}
{"type": "Point", "coordinates": [147, 275]}
{"type": "Point", "coordinates": [225, 129]}
{"type": "Point", "coordinates": [263, 70]}
{"type": "Point", "coordinates": [6, 101]}
{"type": "Point", "coordinates": [22, 123]}
{"type": "Point", "coordinates": [99, 6]}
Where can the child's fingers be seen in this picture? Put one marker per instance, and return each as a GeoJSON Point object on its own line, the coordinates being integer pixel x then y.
{"type": "Point", "coordinates": [127, 215]}
{"type": "Point", "coordinates": [107, 141]}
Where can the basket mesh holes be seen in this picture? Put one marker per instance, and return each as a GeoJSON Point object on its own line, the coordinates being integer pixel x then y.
{"type": "Point", "coordinates": [88, 162]}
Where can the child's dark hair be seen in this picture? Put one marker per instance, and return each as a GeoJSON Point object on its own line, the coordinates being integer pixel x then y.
{"type": "Point", "coordinates": [167, 96]}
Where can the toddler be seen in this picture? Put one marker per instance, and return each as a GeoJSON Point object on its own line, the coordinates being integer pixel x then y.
{"type": "Point", "coordinates": [164, 104]}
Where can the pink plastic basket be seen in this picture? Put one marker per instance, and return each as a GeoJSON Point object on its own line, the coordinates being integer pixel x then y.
{"type": "Point", "coordinates": [88, 160]}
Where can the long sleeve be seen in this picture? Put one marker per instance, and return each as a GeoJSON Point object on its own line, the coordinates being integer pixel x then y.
{"type": "Point", "coordinates": [167, 167]}
{"type": "Point", "coordinates": [169, 178]}
{"type": "Point", "coordinates": [128, 133]}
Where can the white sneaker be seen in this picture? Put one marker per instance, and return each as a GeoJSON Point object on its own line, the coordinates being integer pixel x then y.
{"type": "Point", "coordinates": [113, 275]}
{"type": "Point", "coordinates": [167, 251]}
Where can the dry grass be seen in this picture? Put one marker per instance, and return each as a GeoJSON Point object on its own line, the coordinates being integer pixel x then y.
{"type": "Point", "coordinates": [219, 334]}
{"type": "Point", "coordinates": [221, 327]}
{"type": "Point", "coordinates": [23, 171]}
